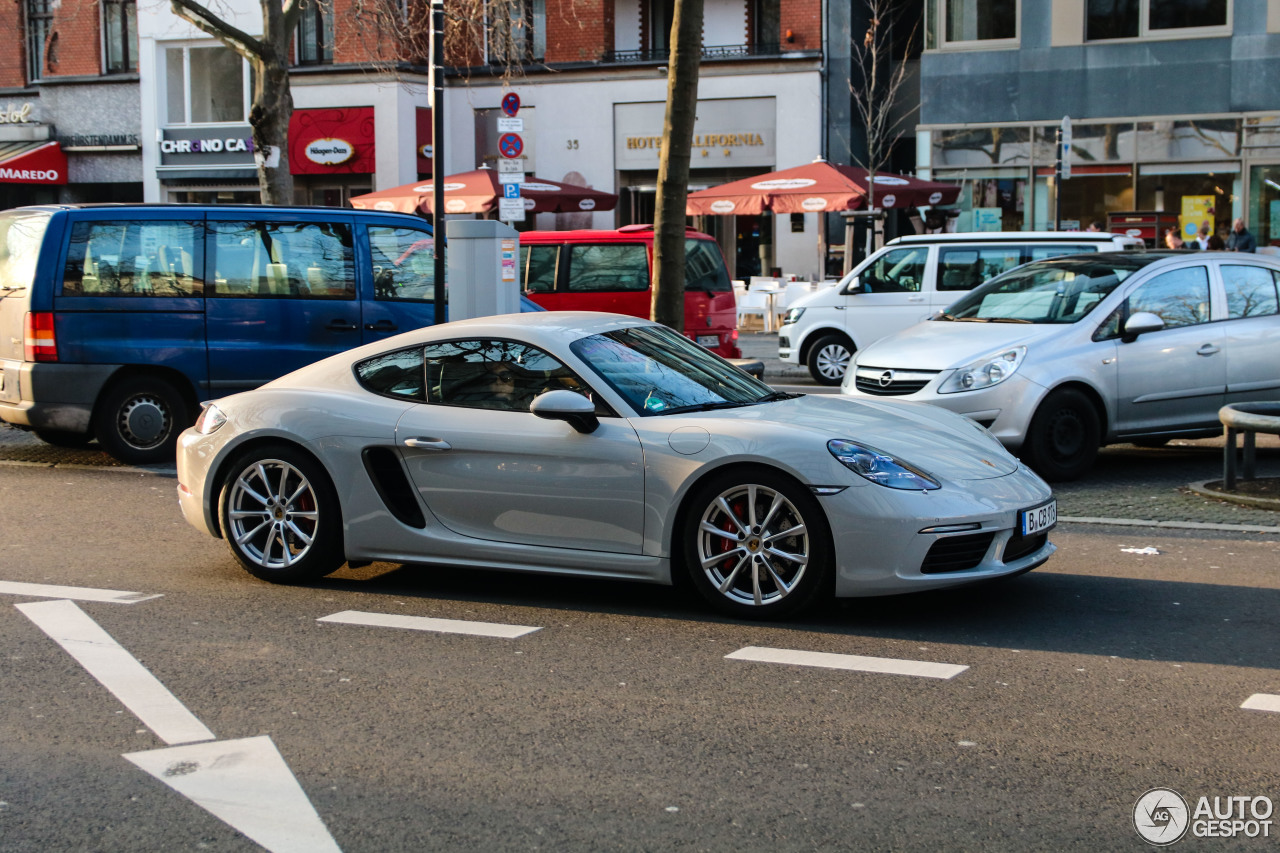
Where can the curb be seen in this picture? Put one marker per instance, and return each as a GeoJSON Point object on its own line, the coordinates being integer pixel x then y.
{"type": "Point", "coordinates": [1234, 497]}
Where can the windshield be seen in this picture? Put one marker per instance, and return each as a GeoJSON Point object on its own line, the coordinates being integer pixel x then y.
{"type": "Point", "coordinates": [1062, 290]}
{"type": "Point", "coordinates": [661, 372]}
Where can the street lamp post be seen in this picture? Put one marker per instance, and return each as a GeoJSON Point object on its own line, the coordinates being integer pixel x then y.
{"type": "Point", "coordinates": [437, 153]}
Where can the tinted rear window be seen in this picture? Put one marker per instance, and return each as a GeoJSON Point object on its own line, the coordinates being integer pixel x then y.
{"type": "Point", "coordinates": [608, 266]}
{"type": "Point", "coordinates": [704, 267]}
{"type": "Point", "coordinates": [20, 237]}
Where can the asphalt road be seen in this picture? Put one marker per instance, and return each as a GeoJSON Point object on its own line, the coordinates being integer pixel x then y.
{"type": "Point", "coordinates": [620, 723]}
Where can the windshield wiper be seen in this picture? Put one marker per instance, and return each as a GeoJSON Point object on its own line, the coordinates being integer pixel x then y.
{"type": "Point", "coordinates": [703, 407]}
{"type": "Point", "coordinates": [943, 315]}
{"type": "Point", "coordinates": [778, 395]}
{"type": "Point", "coordinates": [1008, 320]}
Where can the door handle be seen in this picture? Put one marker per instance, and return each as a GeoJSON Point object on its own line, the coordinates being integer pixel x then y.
{"type": "Point", "coordinates": [915, 299]}
{"type": "Point", "coordinates": [427, 444]}
{"type": "Point", "coordinates": [341, 326]}
{"type": "Point", "coordinates": [381, 326]}
{"type": "Point", "coordinates": [1207, 349]}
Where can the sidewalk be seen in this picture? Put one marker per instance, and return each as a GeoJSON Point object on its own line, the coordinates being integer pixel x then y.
{"type": "Point", "coordinates": [764, 346]}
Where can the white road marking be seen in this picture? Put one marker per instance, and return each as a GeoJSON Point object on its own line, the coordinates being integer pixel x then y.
{"type": "Point", "coordinates": [427, 623]}
{"type": "Point", "coordinates": [78, 593]}
{"type": "Point", "coordinates": [247, 784]}
{"type": "Point", "coordinates": [826, 660]}
{"type": "Point", "coordinates": [117, 670]}
{"type": "Point", "coordinates": [1262, 702]}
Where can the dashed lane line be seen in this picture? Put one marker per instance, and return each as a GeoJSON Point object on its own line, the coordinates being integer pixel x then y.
{"type": "Point", "coordinates": [426, 623]}
{"type": "Point", "coordinates": [76, 593]}
{"type": "Point", "coordinates": [1262, 702]}
{"type": "Point", "coordinates": [859, 663]}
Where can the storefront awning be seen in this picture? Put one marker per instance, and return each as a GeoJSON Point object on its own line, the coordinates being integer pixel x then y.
{"type": "Point", "coordinates": [32, 163]}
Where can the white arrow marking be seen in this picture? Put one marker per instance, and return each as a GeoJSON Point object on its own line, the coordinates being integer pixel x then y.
{"type": "Point", "coordinates": [117, 670]}
{"type": "Point", "coordinates": [891, 666]}
{"type": "Point", "coordinates": [41, 590]}
{"type": "Point", "coordinates": [427, 623]}
{"type": "Point", "coordinates": [1262, 702]}
{"type": "Point", "coordinates": [246, 784]}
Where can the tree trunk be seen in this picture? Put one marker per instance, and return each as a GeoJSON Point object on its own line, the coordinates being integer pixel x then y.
{"type": "Point", "coordinates": [673, 168]}
{"type": "Point", "coordinates": [269, 116]}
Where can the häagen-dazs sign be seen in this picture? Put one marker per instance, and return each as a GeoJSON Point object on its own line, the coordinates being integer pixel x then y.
{"type": "Point", "coordinates": [330, 152]}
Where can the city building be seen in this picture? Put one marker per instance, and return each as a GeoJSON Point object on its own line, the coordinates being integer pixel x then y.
{"type": "Point", "coordinates": [1173, 107]}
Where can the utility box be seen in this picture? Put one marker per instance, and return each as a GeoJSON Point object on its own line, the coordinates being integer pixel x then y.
{"type": "Point", "coordinates": [483, 258]}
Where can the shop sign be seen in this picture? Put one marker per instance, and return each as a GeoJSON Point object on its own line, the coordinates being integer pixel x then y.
{"type": "Point", "coordinates": [201, 146]}
{"type": "Point", "coordinates": [330, 152]}
{"type": "Point", "coordinates": [17, 115]}
{"type": "Point", "coordinates": [729, 132]}
{"type": "Point", "coordinates": [229, 147]}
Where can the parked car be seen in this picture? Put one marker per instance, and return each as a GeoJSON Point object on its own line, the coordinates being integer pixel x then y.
{"type": "Point", "coordinates": [908, 280]}
{"type": "Point", "coordinates": [1061, 356]}
{"type": "Point", "coordinates": [611, 271]}
{"type": "Point", "coordinates": [116, 319]}
{"type": "Point", "coordinates": [607, 446]}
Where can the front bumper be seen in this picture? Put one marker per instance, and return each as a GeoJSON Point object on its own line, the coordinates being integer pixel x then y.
{"type": "Point", "coordinates": [887, 541]}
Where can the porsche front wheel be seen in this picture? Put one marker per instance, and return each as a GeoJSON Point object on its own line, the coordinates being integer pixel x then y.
{"type": "Point", "coordinates": [280, 516]}
{"type": "Point", "coordinates": [757, 545]}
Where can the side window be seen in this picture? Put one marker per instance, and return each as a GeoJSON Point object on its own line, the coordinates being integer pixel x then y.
{"type": "Point", "coordinates": [966, 267]}
{"type": "Point", "coordinates": [311, 260]}
{"type": "Point", "coordinates": [704, 269]}
{"type": "Point", "coordinates": [395, 374]}
{"type": "Point", "coordinates": [539, 265]}
{"type": "Point", "coordinates": [606, 267]}
{"type": "Point", "coordinates": [128, 258]}
{"type": "Point", "coordinates": [1180, 297]}
{"type": "Point", "coordinates": [490, 374]}
{"type": "Point", "coordinates": [404, 263]}
{"type": "Point", "coordinates": [898, 271]}
{"type": "Point", "coordinates": [1251, 291]}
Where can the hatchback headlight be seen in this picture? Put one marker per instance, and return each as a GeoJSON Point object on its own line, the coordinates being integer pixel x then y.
{"type": "Point", "coordinates": [793, 316]}
{"type": "Point", "coordinates": [211, 418]}
{"type": "Point", "coordinates": [880, 468]}
{"type": "Point", "coordinates": [985, 373]}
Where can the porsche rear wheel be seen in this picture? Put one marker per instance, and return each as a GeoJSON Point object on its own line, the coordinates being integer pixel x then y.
{"type": "Point", "coordinates": [280, 516]}
{"type": "Point", "coordinates": [757, 545]}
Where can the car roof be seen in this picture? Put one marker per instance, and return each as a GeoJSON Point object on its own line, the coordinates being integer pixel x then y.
{"type": "Point", "coordinates": [1015, 237]}
{"type": "Point", "coordinates": [625, 234]}
{"type": "Point", "coordinates": [165, 205]}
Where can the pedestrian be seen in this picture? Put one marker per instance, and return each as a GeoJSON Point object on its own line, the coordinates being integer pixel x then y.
{"type": "Point", "coordinates": [1173, 239]}
{"type": "Point", "coordinates": [1095, 225]}
{"type": "Point", "coordinates": [1203, 237]}
{"type": "Point", "coordinates": [1216, 243]}
{"type": "Point", "coordinates": [1241, 240]}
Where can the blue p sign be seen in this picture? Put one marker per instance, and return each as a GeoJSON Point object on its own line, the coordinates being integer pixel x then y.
{"type": "Point", "coordinates": [511, 191]}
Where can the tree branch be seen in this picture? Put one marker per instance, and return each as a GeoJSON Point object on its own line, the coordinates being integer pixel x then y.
{"type": "Point", "coordinates": [238, 40]}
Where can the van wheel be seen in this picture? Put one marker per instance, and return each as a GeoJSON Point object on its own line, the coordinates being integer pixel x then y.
{"type": "Point", "coordinates": [139, 418]}
{"type": "Point", "coordinates": [829, 359]}
{"type": "Point", "coordinates": [1063, 439]}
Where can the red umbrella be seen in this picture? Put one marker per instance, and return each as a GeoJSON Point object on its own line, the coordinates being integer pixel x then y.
{"type": "Point", "coordinates": [817, 187]}
{"type": "Point", "coordinates": [479, 191]}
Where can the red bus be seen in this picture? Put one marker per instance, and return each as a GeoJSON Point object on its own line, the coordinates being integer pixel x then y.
{"type": "Point", "coordinates": [612, 271]}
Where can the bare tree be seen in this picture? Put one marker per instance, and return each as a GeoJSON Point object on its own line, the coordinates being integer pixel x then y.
{"type": "Point", "coordinates": [673, 165]}
{"type": "Point", "coordinates": [877, 97]}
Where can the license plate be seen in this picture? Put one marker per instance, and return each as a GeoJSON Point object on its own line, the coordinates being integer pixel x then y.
{"type": "Point", "coordinates": [709, 340]}
{"type": "Point", "coordinates": [1038, 519]}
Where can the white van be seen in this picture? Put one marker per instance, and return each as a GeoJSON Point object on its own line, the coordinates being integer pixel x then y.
{"type": "Point", "coordinates": [909, 280]}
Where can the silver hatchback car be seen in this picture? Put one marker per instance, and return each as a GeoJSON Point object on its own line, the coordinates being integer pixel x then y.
{"type": "Point", "coordinates": [1059, 357]}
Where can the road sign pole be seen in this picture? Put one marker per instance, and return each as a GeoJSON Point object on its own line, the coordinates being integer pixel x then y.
{"type": "Point", "coordinates": [437, 153]}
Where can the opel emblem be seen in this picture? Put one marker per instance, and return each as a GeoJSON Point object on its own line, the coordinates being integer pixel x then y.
{"type": "Point", "coordinates": [886, 379]}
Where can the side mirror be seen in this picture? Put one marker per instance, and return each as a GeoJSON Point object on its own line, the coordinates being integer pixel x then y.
{"type": "Point", "coordinates": [1140, 324]}
{"type": "Point", "coordinates": [854, 286]}
{"type": "Point", "coordinates": [568, 406]}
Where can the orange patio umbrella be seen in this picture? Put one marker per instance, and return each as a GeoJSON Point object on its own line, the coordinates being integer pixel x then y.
{"type": "Point", "coordinates": [818, 187]}
{"type": "Point", "coordinates": [479, 191]}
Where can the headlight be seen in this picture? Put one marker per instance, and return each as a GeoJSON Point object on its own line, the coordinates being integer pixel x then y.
{"type": "Point", "coordinates": [793, 316]}
{"type": "Point", "coordinates": [880, 468]}
{"type": "Point", "coordinates": [211, 417]}
{"type": "Point", "coordinates": [985, 373]}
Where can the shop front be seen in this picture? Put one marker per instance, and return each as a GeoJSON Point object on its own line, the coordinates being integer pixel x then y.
{"type": "Point", "coordinates": [1198, 175]}
{"type": "Point", "coordinates": [32, 164]}
{"type": "Point", "coordinates": [332, 154]}
{"type": "Point", "coordinates": [208, 165]}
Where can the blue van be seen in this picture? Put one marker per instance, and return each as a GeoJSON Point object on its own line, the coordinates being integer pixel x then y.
{"type": "Point", "coordinates": [115, 320]}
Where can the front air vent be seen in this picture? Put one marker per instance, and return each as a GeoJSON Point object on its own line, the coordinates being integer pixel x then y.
{"type": "Point", "coordinates": [957, 553]}
{"type": "Point", "coordinates": [1020, 546]}
{"type": "Point", "coordinates": [389, 480]}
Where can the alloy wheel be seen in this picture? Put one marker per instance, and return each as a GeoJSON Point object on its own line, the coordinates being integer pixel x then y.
{"type": "Point", "coordinates": [753, 545]}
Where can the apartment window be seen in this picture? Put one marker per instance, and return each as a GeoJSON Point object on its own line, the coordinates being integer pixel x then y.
{"type": "Point", "coordinates": [516, 31]}
{"type": "Point", "coordinates": [205, 85]}
{"type": "Point", "coordinates": [39, 24]}
{"type": "Point", "coordinates": [315, 35]}
{"type": "Point", "coordinates": [661, 15]}
{"type": "Point", "coordinates": [1123, 19]}
{"type": "Point", "coordinates": [765, 27]}
{"type": "Point", "coordinates": [120, 36]}
{"type": "Point", "coordinates": [976, 20]}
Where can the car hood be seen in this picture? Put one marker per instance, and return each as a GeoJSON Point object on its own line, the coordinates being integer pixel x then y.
{"type": "Point", "coordinates": [942, 344]}
{"type": "Point", "coordinates": [939, 441]}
